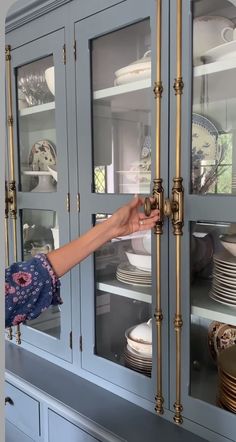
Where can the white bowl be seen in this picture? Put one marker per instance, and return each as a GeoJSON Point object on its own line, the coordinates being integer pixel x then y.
{"type": "Point", "coordinates": [229, 243]}
{"type": "Point", "coordinates": [139, 338]}
{"type": "Point", "coordinates": [141, 261]}
{"type": "Point", "coordinates": [147, 242]}
{"type": "Point", "coordinates": [50, 79]}
{"type": "Point", "coordinates": [142, 332]}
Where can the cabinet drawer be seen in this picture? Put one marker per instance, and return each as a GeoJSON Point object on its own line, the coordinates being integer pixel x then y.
{"type": "Point", "coordinates": [22, 411]}
{"type": "Point", "coordinates": [14, 435]}
{"type": "Point", "coordinates": [61, 430]}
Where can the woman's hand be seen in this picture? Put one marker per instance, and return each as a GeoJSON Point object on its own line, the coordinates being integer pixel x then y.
{"type": "Point", "coordinates": [128, 219]}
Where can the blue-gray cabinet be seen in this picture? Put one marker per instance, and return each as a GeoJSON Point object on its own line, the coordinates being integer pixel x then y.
{"type": "Point", "coordinates": [133, 98]}
{"type": "Point", "coordinates": [61, 429]}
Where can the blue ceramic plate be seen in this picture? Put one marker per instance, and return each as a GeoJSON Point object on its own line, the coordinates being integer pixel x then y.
{"type": "Point", "coordinates": [205, 144]}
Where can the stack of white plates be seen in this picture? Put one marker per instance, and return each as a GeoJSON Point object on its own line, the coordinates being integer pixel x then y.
{"type": "Point", "coordinates": [132, 275]}
{"type": "Point", "coordinates": [234, 183]}
{"type": "Point", "coordinates": [224, 279]}
{"type": "Point", "coordinates": [138, 362]}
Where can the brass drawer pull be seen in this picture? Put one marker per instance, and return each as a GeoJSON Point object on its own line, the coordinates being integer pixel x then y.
{"type": "Point", "coordinates": [8, 400]}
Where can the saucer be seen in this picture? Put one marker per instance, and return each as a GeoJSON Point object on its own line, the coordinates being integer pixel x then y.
{"type": "Point", "coordinates": [226, 51]}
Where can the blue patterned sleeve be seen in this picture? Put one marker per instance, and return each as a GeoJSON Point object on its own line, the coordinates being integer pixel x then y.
{"type": "Point", "coordinates": [30, 288]}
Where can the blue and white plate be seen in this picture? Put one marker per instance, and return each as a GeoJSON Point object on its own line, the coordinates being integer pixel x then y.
{"type": "Point", "coordinates": [205, 144]}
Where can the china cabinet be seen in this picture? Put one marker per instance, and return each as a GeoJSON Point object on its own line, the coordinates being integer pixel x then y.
{"type": "Point", "coordinates": [106, 101]}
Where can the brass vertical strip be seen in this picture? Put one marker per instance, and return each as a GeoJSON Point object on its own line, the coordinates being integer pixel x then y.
{"type": "Point", "coordinates": [6, 226]}
{"type": "Point", "coordinates": [7, 260]}
{"type": "Point", "coordinates": [12, 183]}
{"type": "Point", "coordinates": [158, 194]}
{"type": "Point", "coordinates": [177, 218]}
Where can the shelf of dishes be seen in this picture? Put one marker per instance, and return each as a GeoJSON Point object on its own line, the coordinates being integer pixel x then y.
{"type": "Point", "coordinates": [204, 306]}
{"type": "Point", "coordinates": [37, 109]}
{"type": "Point", "coordinates": [119, 288]}
{"type": "Point", "coordinates": [213, 373]}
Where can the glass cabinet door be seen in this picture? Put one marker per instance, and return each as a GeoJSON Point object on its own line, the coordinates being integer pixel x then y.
{"type": "Point", "coordinates": [209, 268]}
{"type": "Point", "coordinates": [118, 301]}
{"type": "Point", "coordinates": [42, 174]}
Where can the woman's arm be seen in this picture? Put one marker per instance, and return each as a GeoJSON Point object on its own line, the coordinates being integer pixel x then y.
{"type": "Point", "coordinates": [124, 221]}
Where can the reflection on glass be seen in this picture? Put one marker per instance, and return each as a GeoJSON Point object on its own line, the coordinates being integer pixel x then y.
{"type": "Point", "coordinates": [123, 301]}
{"type": "Point", "coordinates": [36, 126]}
{"type": "Point", "coordinates": [213, 302]}
{"type": "Point", "coordinates": [214, 98]}
{"type": "Point", "coordinates": [121, 85]}
{"type": "Point", "coordinates": [40, 234]}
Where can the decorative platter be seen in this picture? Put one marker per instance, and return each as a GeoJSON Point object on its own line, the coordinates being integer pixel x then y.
{"type": "Point", "coordinates": [42, 155]}
{"type": "Point", "coordinates": [204, 140]}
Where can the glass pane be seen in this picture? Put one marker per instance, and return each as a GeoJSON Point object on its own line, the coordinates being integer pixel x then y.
{"type": "Point", "coordinates": [123, 301]}
{"type": "Point", "coordinates": [40, 234]}
{"type": "Point", "coordinates": [36, 126]}
{"type": "Point", "coordinates": [121, 85]}
{"type": "Point", "coordinates": [213, 319]}
{"type": "Point", "coordinates": [214, 98]}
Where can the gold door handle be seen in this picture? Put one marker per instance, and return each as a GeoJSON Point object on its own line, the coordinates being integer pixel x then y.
{"type": "Point", "coordinates": [172, 208]}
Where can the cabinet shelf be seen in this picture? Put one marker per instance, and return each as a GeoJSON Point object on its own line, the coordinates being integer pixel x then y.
{"type": "Point", "coordinates": [37, 109]}
{"type": "Point", "coordinates": [205, 307]}
{"type": "Point", "coordinates": [122, 89]}
{"type": "Point", "coordinates": [212, 68]}
{"type": "Point", "coordinates": [126, 97]}
{"type": "Point", "coordinates": [118, 288]}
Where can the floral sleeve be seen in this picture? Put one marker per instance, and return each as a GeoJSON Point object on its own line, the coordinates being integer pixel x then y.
{"type": "Point", "coordinates": [30, 288]}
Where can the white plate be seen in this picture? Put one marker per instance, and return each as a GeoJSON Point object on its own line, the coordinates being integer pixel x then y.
{"type": "Point", "coordinates": [227, 271]}
{"type": "Point", "coordinates": [225, 258]}
{"type": "Point", "coordinates": [225, 51]}
{"type": "Point", "coordinates": [224, 290]}
{"type": "Point", "coordinates": [133, 283]}
{"type": "Point", "coordinates": [228, 281]}
{"type": "Point", "coordinates": [128, 269]}
{"type": "Point", "coordinates": [135, 353]}
{"type": "Point", "coordinates": [215, 298]}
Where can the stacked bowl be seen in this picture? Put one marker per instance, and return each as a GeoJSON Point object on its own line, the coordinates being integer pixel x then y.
{"type": "Point", "coordinates": [227, 379]}
{"type": "Point", "coordinates": [138, 350]}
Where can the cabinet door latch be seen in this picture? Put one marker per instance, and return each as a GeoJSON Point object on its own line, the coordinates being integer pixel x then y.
{"type": "Point", "coordinates": [68, 202]}
{"type": "Point", "coordinates": [64, 53]}
{"type": "Point", "coordinates": [80, 343]}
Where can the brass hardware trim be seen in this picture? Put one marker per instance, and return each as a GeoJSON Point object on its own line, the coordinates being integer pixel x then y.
{"type": "Point", "coordinates": [81, 343]}
{"type": "Point", "coordinates": [18, 334]}
{"type": "Point", "coordinates": [8, 400]}
{"type": "Point", "coordinates": [177, 214]}
{"type": "Point", "coordinates": [68, 202]}
{"type": "Point", "coordinates": [9, 330]}
{"type": "Point", "coordinates": [158, 194]}
{"type": "Point", "coordinates": [75, 50]}
{"type": "Point", "coordinates": [70, 340]}
{"type": "Point", "coordinates": [10, 204]}
{"type": "Point", "coordinates": [78, 202]}
{"type": "Point", "coordinates": [64, 54]}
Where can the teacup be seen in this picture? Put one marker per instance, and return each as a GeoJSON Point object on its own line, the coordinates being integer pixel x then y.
{"type": "Point", "coordinates": [209, 32]}
{"type": "Point", "coordinates": [229, 34]}
{"type": "Point", "coordinates": [40, 249]}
